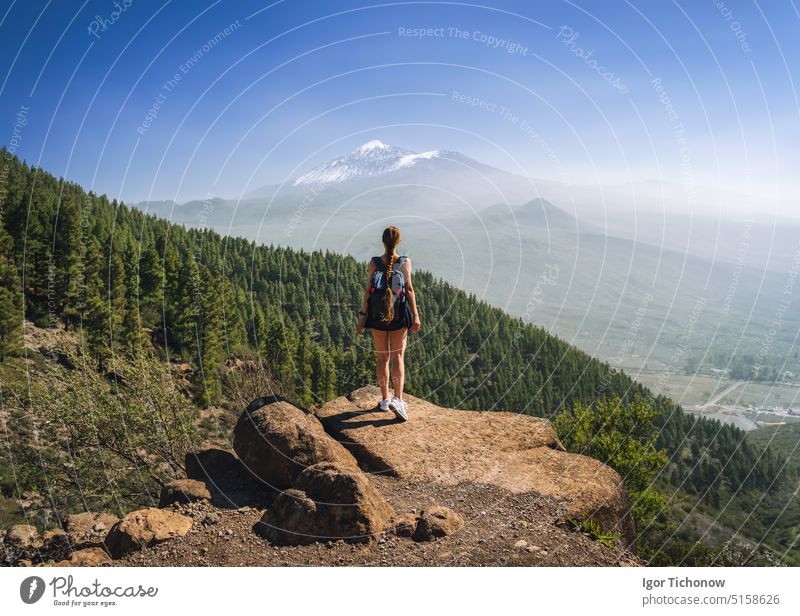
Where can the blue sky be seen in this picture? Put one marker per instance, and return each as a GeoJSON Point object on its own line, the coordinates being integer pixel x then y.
{"type": "Point", "coordinates": [580, 92]}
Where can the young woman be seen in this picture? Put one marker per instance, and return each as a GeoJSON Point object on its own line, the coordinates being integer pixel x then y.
{"type": "Point", "coordinates": [389, 310]}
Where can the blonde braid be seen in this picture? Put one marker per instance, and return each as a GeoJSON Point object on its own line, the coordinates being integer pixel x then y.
{"type": "Point", "coordinates": [391, 237]}
{"type": "Point", "coordinates": [388, 297]}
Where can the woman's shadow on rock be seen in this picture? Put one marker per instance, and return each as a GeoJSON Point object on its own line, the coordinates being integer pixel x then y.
{"type": "Point", "coordinates": [359, 418]}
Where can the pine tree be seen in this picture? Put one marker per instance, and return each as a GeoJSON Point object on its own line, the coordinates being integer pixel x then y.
{"type": "Point", "coordinates": [10, 300]}
{"type": "Point", "coordinates": [67, 256]}
{"type": "Point", "coordinates": [279, 345]}
{"type": "Point", "coordinates": [151, 284]}
{"type": "Point", "coordinates": [323, 375]}
{"type": "Point", "coordinates": [210, 352]}
{"type": "Point", "coordinates": [231, 314]}
{"type": "Point", "coordinates": [116, 293]}
{"type": "Point", "coordinates": [94, 308]}
{"type": "Point", "coordinates": [302, 367]}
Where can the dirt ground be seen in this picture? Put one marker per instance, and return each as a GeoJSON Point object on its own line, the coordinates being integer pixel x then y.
{"type": "Point", "coordinates": [501, 529]}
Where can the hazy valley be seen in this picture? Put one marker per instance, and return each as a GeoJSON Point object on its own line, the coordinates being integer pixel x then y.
{"type": "Point", "coordinates": [649, 288]}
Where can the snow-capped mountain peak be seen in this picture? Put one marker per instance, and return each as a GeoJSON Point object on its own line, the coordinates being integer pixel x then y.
{"type": "Point", "coordinates": [372, 158]}
{"type": "Point", "coordinates": [375, 144]}
{"type": "Point", "coordinates": [411, 159]}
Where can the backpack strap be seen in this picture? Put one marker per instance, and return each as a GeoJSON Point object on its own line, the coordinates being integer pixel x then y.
{"type": "Point", "coordinates": [382, 266]}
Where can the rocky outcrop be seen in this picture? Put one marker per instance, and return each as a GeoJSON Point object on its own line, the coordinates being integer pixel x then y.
{"type": "Point", "coordinates": [328, 502]}
{"type": "Point", "coordinates": [184, 491]}
{"type": "Point", "coordinates": [144, 528]}
{"type": "Point", "coordinates": [508, 484]}
{"type": "Point", "coordinates": [277, 440]}
{"type": "Point", "coordinates": [516, 452]}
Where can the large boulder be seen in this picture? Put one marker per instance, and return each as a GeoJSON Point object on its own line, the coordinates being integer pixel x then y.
{"type": "Point", "coordinates": [277, 440]}
{"type": "Point", "coordinates": [516, 452]}
{"type": "Point", "coordinates": [184, 491]}
{"type": "Point", "coordinates": [291, 520]}
{"type": "Point", "coordinates": [88, 529]}
{"type": "Point", "coordinates": [145, 527]}
{"type": "Point", "coordinates": [212, 462]}
{"type": "Point", "coordinates": [436, 522]}
{"type": "Point", "coordinates": [329, 502]}
{"type": "Point", "coordinates": [230, 483]}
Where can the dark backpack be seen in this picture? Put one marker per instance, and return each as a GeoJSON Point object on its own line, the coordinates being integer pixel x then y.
{"type": "Point", "coordinates": [377, 291]}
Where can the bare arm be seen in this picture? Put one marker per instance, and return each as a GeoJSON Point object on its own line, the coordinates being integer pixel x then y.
{"type": "Point", "coordinates": [365, 300]}
{"type": "Point", "coordinates": [411, 296]}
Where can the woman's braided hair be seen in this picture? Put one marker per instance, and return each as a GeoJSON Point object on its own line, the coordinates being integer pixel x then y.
{"type": "Point", "coordinates": [391, 238]}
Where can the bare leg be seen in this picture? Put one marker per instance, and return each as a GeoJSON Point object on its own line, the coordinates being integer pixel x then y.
{"type": "Point", "coordinates": [381, 340]}
{"type": "Point", "coordinates": [397, 345]}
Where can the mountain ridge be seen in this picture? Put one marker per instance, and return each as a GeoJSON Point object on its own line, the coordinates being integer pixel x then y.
{"type": "Point", "coordinates": [378, 161]}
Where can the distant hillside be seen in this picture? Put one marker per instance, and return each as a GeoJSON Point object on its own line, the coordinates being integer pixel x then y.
{"type": "Point", "coordinates": [649, 295]}
{"type": "Point", "coordinates": [780, 439]}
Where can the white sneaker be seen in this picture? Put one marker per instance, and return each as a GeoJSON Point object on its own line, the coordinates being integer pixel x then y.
{"type": "Point", "coordinates": [399, 408]}
{"type": "Point", "coordinates": [384, 404]}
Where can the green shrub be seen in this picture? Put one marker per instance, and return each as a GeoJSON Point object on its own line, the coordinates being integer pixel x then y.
{"type": "Point", "coordinates": [86, 439]}
{"type": "Point", "coordinates": [621, 435]}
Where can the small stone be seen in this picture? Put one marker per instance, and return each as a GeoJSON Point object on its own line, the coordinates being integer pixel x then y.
{"type": "Point", "coordinates": [521, 544]}
{"type": "Point", "coordinates": [23, 536]}
{"type": "Point", "coordinates": [88, 529]}
{"type": "Point", "coordinates": [405, 524]}
{"type": "Point", "coordinates": [89, 557]}
{"type": "Point", "coordinates": [144, 528]}
{"type": "Point", "coordinates": [183, 493]}
{"type": "Point", "coordinates": [50, 535]}
{"type": "Point", "coordinates": [210, 518]}
{"type": "Point", "coordinates": [437, 521]}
